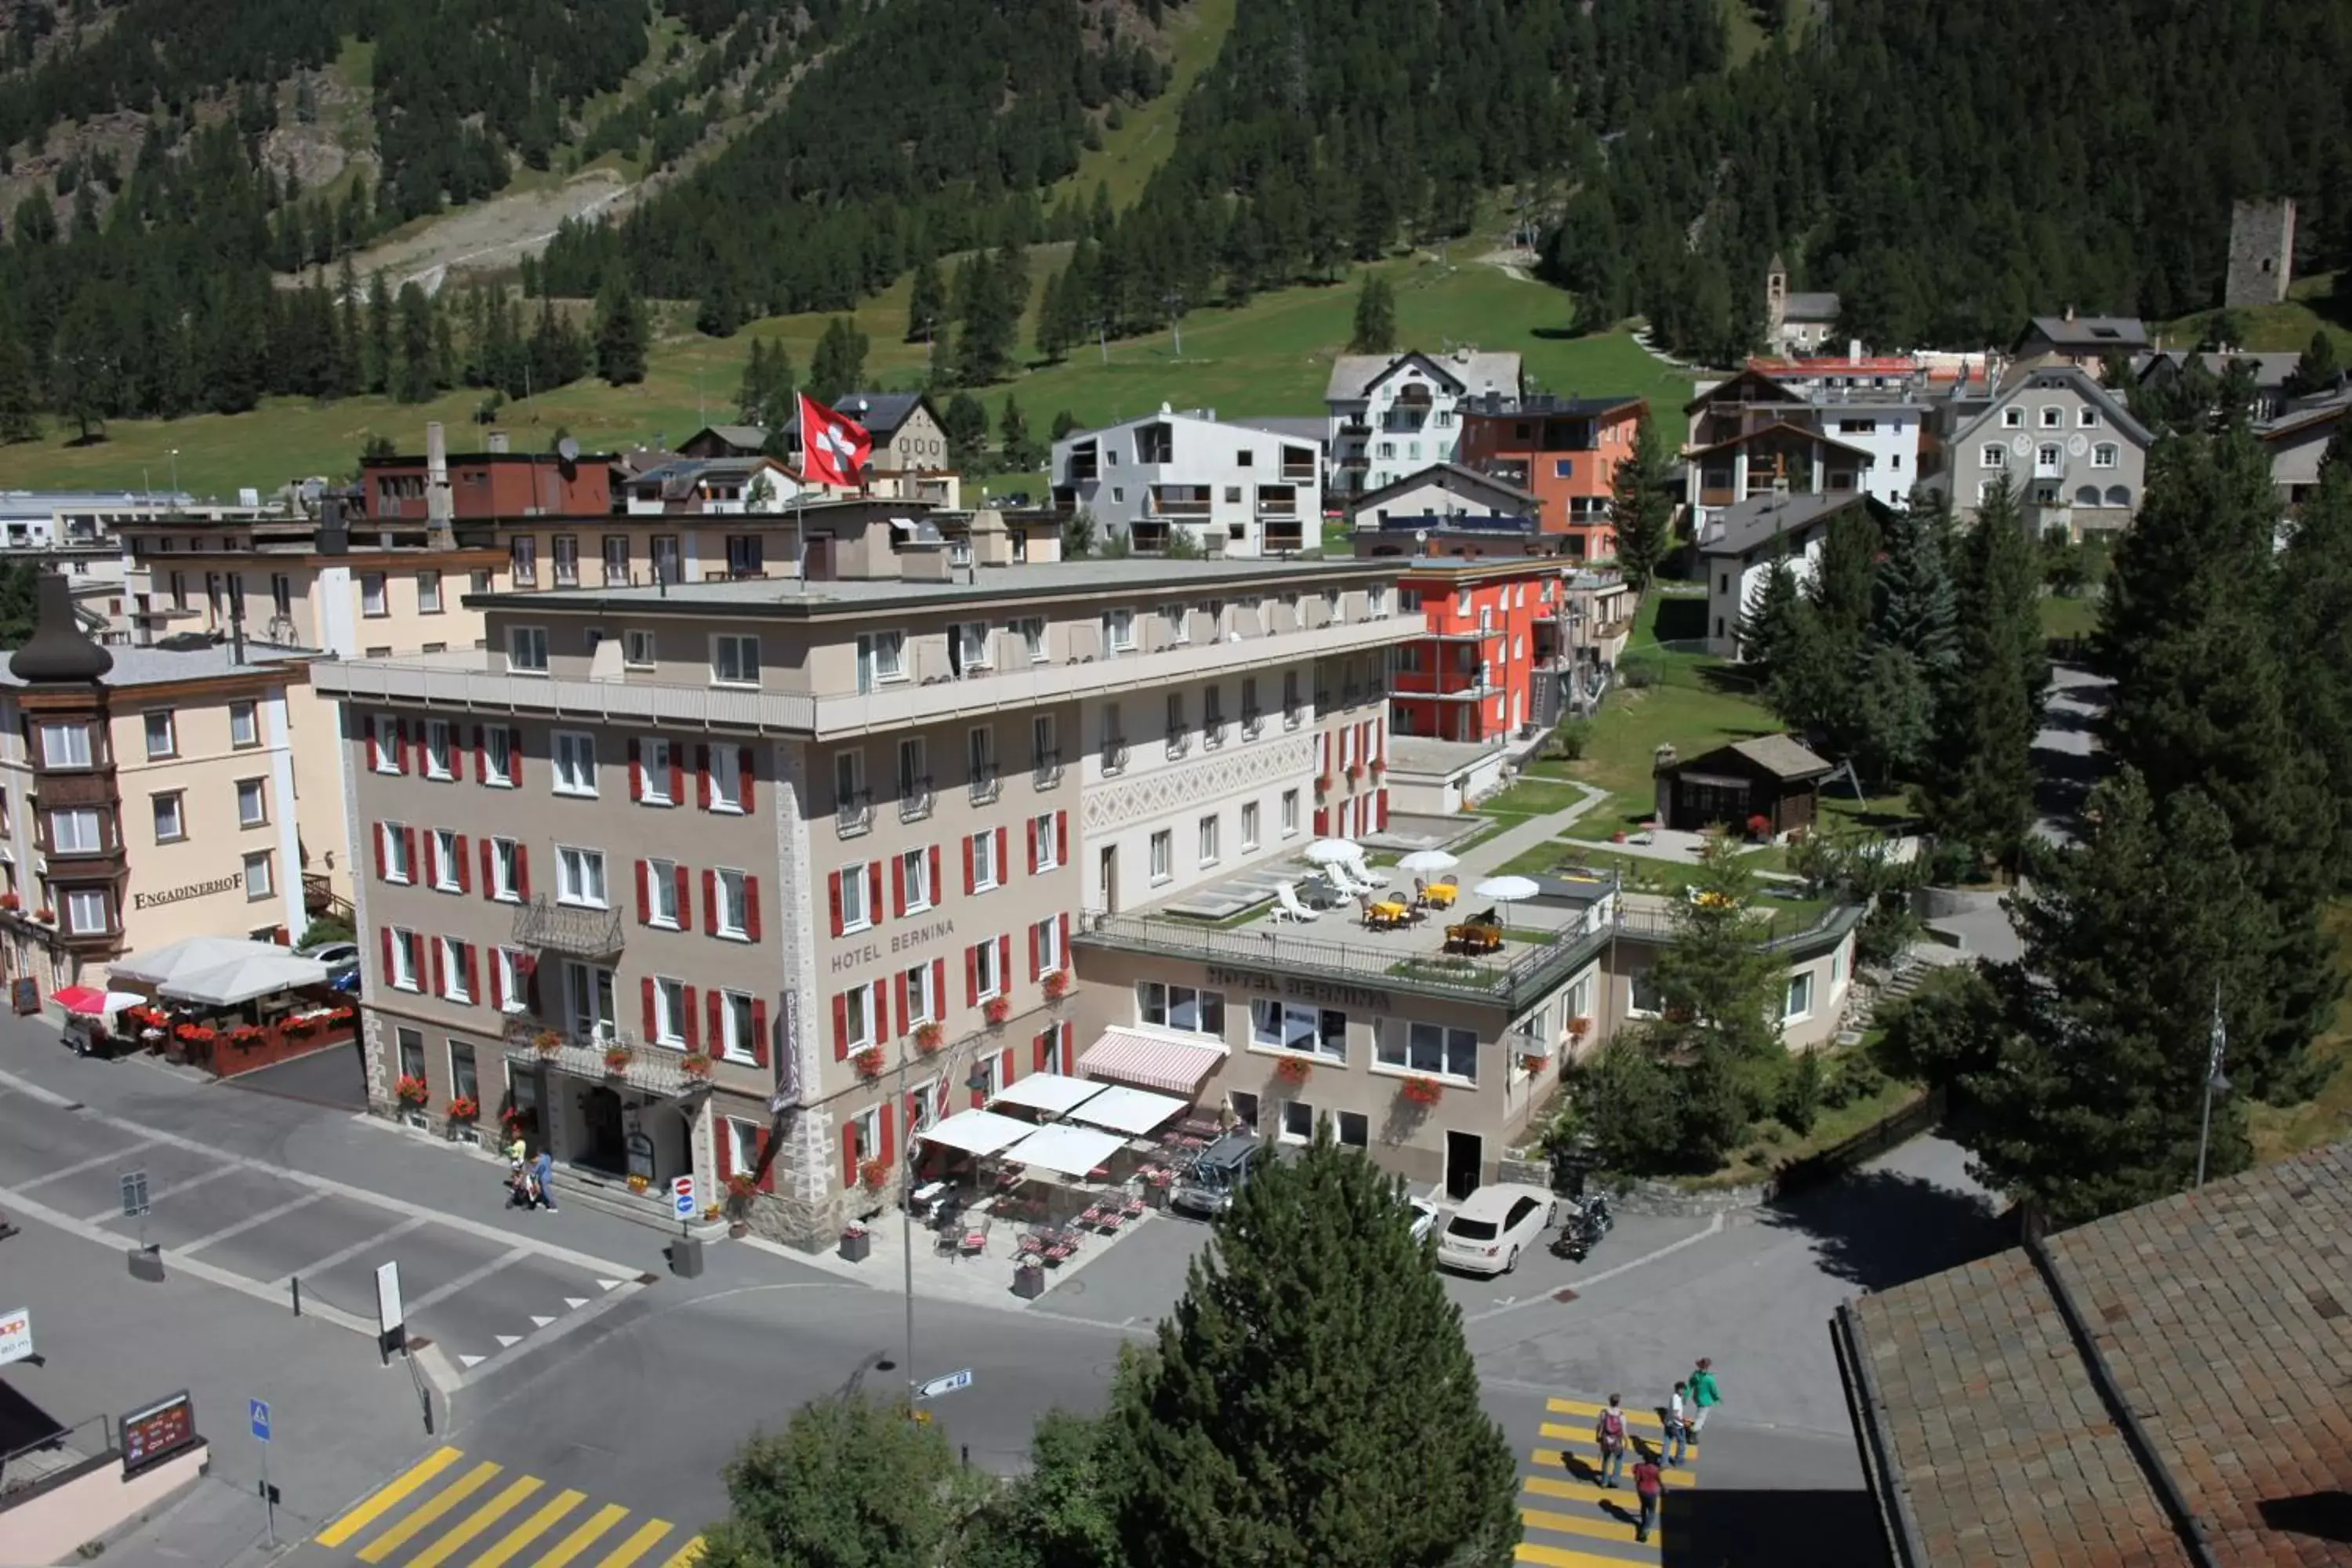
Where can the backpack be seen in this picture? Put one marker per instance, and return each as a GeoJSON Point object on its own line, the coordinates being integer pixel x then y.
{"type": "Point", "coordinates": [1613, 1427]}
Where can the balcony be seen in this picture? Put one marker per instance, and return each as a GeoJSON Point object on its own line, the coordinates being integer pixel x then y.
{"type": "Point", "coordinates": [1114, 756]}
{"type": "Point", "coordinates": [580, 1054]}
{"type": "Point", "coordinates": [1190, 502]}
{"type": "Point", "coordinates": [984, 786]}
{"type": "Point", "coordinates": [569, 929]}
{"type": "Point", "coordinates": [853, 813]}
{"type": "Point", "coordinates": [1180, 741]}
{"type": "Point", "coordinates": [1047, 773]}
{"type": "Point", "coordinates": [1252, 723]}
{"type": "Point", "coordinates": [915, 798]}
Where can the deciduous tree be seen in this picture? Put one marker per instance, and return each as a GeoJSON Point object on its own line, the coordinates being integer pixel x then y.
{"type": "Point", "coordinates": [849, 1482]}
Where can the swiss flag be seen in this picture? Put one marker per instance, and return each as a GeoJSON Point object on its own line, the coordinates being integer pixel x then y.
{"type": "Point", "coordinates": [833, 448]}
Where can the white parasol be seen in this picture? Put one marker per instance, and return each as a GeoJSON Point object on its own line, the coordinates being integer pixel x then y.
{"type": "Point", "coordinates": [1421, 860]}
{"type": "Point", "coordinates": [1335, 852]}
{"type": "Point", "coordinates": [1506, 890]}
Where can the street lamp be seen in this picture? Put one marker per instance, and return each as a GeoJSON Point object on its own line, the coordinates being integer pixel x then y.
{"type": "Point", "coordinates": [2215, 1082]}
{"type": "Point", "coordinates": [174, 455]}
{"type": "Point", "coordinates": [974, 1081]}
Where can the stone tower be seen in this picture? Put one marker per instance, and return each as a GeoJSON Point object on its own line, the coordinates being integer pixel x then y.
{"type": "Point", "coordinates": [2262, 251]}
{"type": "Point", "coordinates": [1776, 299]}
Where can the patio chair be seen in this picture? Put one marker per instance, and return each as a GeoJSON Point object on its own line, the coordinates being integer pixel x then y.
{"type": "Point", "coordinates": [1110, 1222]}
{"type": "Point", "coordinates": [1368, 875]}
{"type": "Point", "coordinates": [1286, 906]}
{"type": "Point", "coordinates": [1349, 888]}
{"type": "Point", "coordinates": [975, 1239]}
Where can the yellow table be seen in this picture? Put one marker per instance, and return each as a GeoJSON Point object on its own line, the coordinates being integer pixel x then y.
{"type": "Point", "coordinates": [1389, 911]}
{"type": "Point", "coordinates": [1442, 894]}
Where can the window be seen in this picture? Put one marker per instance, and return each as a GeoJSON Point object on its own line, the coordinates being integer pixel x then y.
{"type": "Point", "coordinates": [661, 893]}
{"type": "Point", "coordinates": [1208, 834]}
{"type": "Point", "coordinates": [244, 725]}
{"type": "Point", "coordinates": [922, 1005]}
{"type": "Point", "coordinates": [395, 839]}
{"type": "Point", "coordinates": [743, 1143]}
{"type": "Point", "coordinates": [1289, 813]}
{"type": "Point", "coordinates": [1031, 632]}
{"type": "Point", "coordinates": [1245, 1108]}
{"type": "Point", "coordinates": [2013, 418]}
{"type": "Point", "coordinates": [403, 978]}
{"type": "Point", "coordinates": [1163, 854]}
{"type": "Point", "coordinates": [589, 1000]}
{"type": "Point", "coordinates": [738, 1028]}
{"type": "Point", "coordinates": [987, 971]}
{"type": "Point", "coordinates": [1290, 700]}
{"type": "Point", "coordinates": [1563, 468]}
{"type": "Point", "coordinates": [1296, 1026]}
{"type": "Point", "coordinates": [856, 908]}
{"type": "Point", "coordinates": [1043, 834]}
{"type": "Point", "coordinates": [637, 650]}
{"type": "Point", "coordinates": [1642, 996]}
{"type": "Point", "coordinates": [499, 750]}
{"type": "Point", "coordinates": [374, 601]}
{"type": "Point", "coordinates": [881, 656]}
{"type": "Point", "coordinates": [1046, 941]}
{"type": "Point", "coordinates": [981, 848]}
{"type": "Point", "coordinates": [75, 832]}
{"type": "Point", "coordinates": [1354, 1130]}
{"type": "Point", "coordinates": [575, 761]}
{"type": "Point", "coordinates": [1434, 1048]}
{"type": "Point", "coordinates": [579, 876]}
{"type": "Point", "coordinates": [968, 649]}
{"type": "Point", "coordinates": [513, 979]}
{"type": "Point", "coordinates": [252, 803]}
{"type": "Point", "coordinates": [170, 821]}
{"type": "Point", "coordinates": [727, 768]}
{"type": "Point", "coordinates": [428, 593]}
{"type": "Point", "coordinates": [2105, 454]}
{"type": "Point", "coordinates": [850, 799]}
{"type": "Point", "coordinates": [1181, 1007]}
{"type": "Point", "coordinates": [1046, 749]}
{"type": "Point", "coordinates": [746, 556]}
{"type": "Point", "coordinates": [734, 660]}
{"type": "Point", "coordinates": [980, 760]}
{"type": "Point", "coordinates": [455, 955]}
{"type": "Point", "coordinates": [914, 778]}
{"type": "Point", "coordinates": [1178, 621]}
{"type": "Point", "coordinates": [1249, 826]}
{"type": "Point", "coordinates": [655, 760]}
{"type": "Point", "coordinates": [527, 650]}
{"type": "Point", "coordinates": [1799, 1002]}
{"type": "Point", "coordinates": [2049, 456]}
{"type": "Point", "coordinates": [412, 1053]}
{"type": "Point", "coordinates": [915, 880]}
{"type": "Point", "coordinates": [1297, 1122]}
{"type": "Point", "coordinates": [162, 738]}
{"type": "Point", "coordinates": [669, 1012]}
{"type": "Point", "coordinates": [465, 1083]}
{"type": "Point", "coordinates": [259, 881]}
{"type": "Point", "coordinates": [89, 911]}
{"type": "Point", "coordinates": [2053, 417]}
{"type": "Point", "coordinates": [567, 561]}
{"type": "Point", "coordinates": [1118, 630]}
{"type": "Point", "coordinates": [734, 905]}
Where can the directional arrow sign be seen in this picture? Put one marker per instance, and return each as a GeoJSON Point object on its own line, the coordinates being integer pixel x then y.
{"type": "Point", "coordinates": [947, 1384]}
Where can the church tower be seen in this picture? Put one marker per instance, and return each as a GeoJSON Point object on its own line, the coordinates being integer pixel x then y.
{"type": "Point", "coordinates": [1776, 301]}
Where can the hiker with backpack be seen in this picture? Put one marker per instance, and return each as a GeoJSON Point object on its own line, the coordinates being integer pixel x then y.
{"type": "Point", "coordinates": [1609, 1432]}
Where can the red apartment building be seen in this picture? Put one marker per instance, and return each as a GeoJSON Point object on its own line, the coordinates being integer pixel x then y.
{"type": "Point", "coordinates": [1564, 450]}
{"type": "Point", "coordinates": [1472, 676]}
{"type": "Point", "coordinates": [493, 484]}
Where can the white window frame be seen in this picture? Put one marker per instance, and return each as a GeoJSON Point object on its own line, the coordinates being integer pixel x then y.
{"type": "Point", "coordinates": [1285, 1132]}
{"type": "Point", "coordinates": [178, 805]}
{"type": "Point", "coordinates": [453, 970]}
{"type": "Point", "coordinates": [986, 874]}
{"type": "Point", "coordinates": [440, 742]}
{"type": "Point", "coordinates": [75, 752]}
{"type": "Point", "coordinates": [2053, 417]}
{"type": "Point", "coordinates": [77, 903]}
{"type": "Point", "coordinates": [506, 857]}
{"type": "Point", "coordinates": [1401, 1055]}
{"type": "Point", "coordinates": [737, 1040]}
{"type": "Point", "coordinates": [1299, 1028]}
{"type": "Point", "coordinates": [987, 972]}
{"type": "Point", "coordinates": [654, 763]}
{"type": "Point", "coordinates": [524, 644]}
{"type": "Point", "coordinates": [573, 865]}
{"type": "Point", "coordinates": [1211, 839]}
{"type": "Point", "coordinates": [914, 876]}
{"type": "Point", "coordinates": [856, 890]}
{"type": "Point", "coordinates": [2012, 417]}
{"type": "Point", "coordinates": [572, 756]}
{"type": "Point", "coordinates": [1049, 841]}
{"type": "Point", "coordinates": [375, 595]}
{"type": "Point", "coordinates": [514, 981]}
{"type": "Point", "coordinates": [860, 1028]}
{"type": "Point", "coordinates": [428, 592]}
{"type": "Point", "coordinates": [2107, 455]}
{"type": "Point", "coordinates": [727, 665]}
{"type": "Point", "coordinates": [1047, 934]}
{"type": "Point", "coordinates": [404, 960]}
{"type": "Point", "coordinates": [260, 816]}
{"type": "Point", "coordinates": [661, 894]}
{"type": "Point", "coordinates": [922, 1005]}
{"type": "Point", "coordinates": [742, 1145]}
{"type": "Point", "coordinates": [1162, 862]}
{"type": "Point", "coordinates": [1800, 982]}
{"type": "Point", "coordinates": [1290, 813]}
{"type": "Point", "coordinates": [78, 816]}
{"type": "Point", "coordinates": [1118, 630]}
{"type": "Point", "coordinates": [1181, 1008]}
{"type": "Point", "coordinates": [170, 733]}
{"type": "Point", "coordinates": [1249, 826]}
{"type": "Point", "coordinates": [727, 778]}
{"type": "Point", "coordinates": [638, 649]}
{"type": "Point", "coordinates": [445, 859]}
{"type": "Point", "coordinates": [669, 1012]}
{"type": "Point", "coordinates": [244, 725]}
{"type": "Point", "coordinates": [505, 771]}
{"type": "Point", "coordinates": [734, 906]}
{"type": "Point", "coordinates": [396, 866]}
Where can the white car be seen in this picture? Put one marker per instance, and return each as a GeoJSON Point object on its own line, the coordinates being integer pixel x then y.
{"type": "Point", "coordinates": [1424, 1215]}
{"type": "Point", "coordinates": [1493, 1226]}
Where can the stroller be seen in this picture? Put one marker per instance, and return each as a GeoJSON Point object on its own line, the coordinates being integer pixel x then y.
{"type": "Point", "coordinates": [523, 1186]}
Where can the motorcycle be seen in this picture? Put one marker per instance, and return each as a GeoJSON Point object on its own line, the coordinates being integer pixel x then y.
{"type": "Point", "coordinates": [1581, 1228]}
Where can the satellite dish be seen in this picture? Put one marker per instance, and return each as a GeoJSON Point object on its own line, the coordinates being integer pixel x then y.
{"type": "Point", "coordinates": [568, 449]}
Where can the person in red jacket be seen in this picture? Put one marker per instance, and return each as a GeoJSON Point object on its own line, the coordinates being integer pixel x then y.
{"type": "Point", "coordinates": [1647, 1485]}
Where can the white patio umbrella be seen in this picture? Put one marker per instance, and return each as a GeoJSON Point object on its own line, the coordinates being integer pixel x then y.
{"type": "Point", "coordinates": [1506, 890]}
{"type": "Point", "coordinates": [1421, 860]}
{"type": "Point", "coordinates": [1335, 852]}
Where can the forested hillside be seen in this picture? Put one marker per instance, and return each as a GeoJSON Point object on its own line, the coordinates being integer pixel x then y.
{"type": "Point", "coordinates": [1947, 169]}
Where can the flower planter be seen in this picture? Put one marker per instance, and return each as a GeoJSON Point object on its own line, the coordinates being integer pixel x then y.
{"type": "Point", "coordinates": [1057, 984]}
{"type": "Point", "coordinates": [996, 1012]}
{"type": "Point", "coordinates": [547, 1042]}
{"type": "Point", "coordinates": [1424, 1090]}
{"type": "Point", "coordinates": [875, 1175]}
{"type": "Point", "coordinates": [696, 1066]}
{"type": "Point", "coordinates": [1155, 1196]}
{"type": "Point", "coordinates": [857, 1243]}
{"type": "Point", "coordinates": [1293, 1069]}
{"type": "Point", "coordinates": [617, 1060]}
{"type": "Point", "coordinates": [868, 1062]}
{"type": "Point", "coordinates": [739, 1229]}
{"type": "Point", "coordinates": [930, 1038]}
{"type": "Point", "coordinates": [1029, 1281]}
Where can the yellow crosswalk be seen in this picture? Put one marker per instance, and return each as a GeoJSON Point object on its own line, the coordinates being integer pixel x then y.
{"type": "Point", "coordinates": [1567, 1518]}
{"type": "Point", "coordinates": [438, 1512]}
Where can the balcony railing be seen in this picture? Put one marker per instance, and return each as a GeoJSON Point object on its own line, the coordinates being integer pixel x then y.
{"type": "Point", "coordinates": [915, 798]}
{"type": "Point", "coordinates": [985, 785]}
{"type": "Point", "coordinates": [569, 929]}
{"type": "Point", "coordinates": [853, 813]}
{"type": "Point", "coordinates": [1114, 756]}
{"type": "Point", "coordinates": [1179, 743]}
{"type": "Point", "coordinates": [1047, 773]}
{"type": "Point", "coordinates": [1252, 723]}
{"type": "Point", "coordinates": [580, 1054]}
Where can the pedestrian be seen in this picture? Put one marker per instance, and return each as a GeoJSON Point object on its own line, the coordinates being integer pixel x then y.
{"type": "Point", "coordinates": [1609, 1432]}
{"type": "Point", "coordinates": [1647, 1485]}
{"type": "Point", "coordinates": [543, 1173]}
{"type": "Point", "coordinates": [1704, 1397]}
{"type": "Point", "coordinates": [1671, 1449]}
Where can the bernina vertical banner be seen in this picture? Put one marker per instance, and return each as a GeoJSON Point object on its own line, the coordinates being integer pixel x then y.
{"type": "Point", "coordinates": [788, 1055]}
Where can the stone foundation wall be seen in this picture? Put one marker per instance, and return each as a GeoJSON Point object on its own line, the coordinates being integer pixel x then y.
{"type": "Point", "coordinates": [1666, 1198]}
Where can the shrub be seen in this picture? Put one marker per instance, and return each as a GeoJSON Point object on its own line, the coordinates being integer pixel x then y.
{"type": "Point", "coordinates": [1800, 1102]}
{"type": "Point", "coordinates": [1638, 671]}
{"type": "Point", "coordinates": [1569, 739]}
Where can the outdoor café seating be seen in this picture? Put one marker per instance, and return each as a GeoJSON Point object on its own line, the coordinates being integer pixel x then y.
{"type": "Point", "coordinates": [1440, 895]}
{"type": "Point", "coordinates": [1479, 933]}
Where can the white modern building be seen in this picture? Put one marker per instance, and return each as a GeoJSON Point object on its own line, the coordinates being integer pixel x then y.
{"type": "Point", "coordinates": [1236, 490]}
{"type": "Point", "coordinates": [1887, 428]}
{"type": "Point", "coordinates": [1394, 415]}
{"type": "Point", "coordinates": [1738, 547]}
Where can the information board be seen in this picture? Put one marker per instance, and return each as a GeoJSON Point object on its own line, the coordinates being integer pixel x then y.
{"type": "Point", "coordinates": [25, 995]}
{"type": "Point", "coordinates": [152, 1435]}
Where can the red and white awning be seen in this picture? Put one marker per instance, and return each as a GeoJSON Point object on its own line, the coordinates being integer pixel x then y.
{"type": "Point", "coordinates": [1152, 1061]}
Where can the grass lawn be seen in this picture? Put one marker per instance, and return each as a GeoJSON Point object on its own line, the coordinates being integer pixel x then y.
{"type": "Point", "coordinates": [2077, 618]}
{"type": "Point", "coordinates": [1531, 796]}
{"type": "Point", "coordinates": [1774, 1146]}
{"type": "Point", "coordinates": [1148, 135]}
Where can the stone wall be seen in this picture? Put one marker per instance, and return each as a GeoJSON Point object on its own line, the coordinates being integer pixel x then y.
{"type": "Point", "coordinates": [2262, 251]}
{"type": "Point", "coordinates": [1665, 1198]}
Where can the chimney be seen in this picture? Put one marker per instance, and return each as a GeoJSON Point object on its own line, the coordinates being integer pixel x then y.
{"type": "Point", "coordinates": [496, 441]}
{"type": "Point", "coordinates": [1853, 351]}
{"type": "Point", "coordinates": [2070, 312]}
{"type": "Point", "coordinates": [437, 510]}
{"type": "Point", "coordinates": [992, 544]}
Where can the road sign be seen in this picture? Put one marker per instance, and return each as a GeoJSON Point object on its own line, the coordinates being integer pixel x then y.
{"type": "Point", "coordinates": [258, 1410]}
{"type": "Point", "coordinates": [947, 1384]}
{"type": "Point", "coordinates": [681, 1189]}
{"type": "Point", "coordinates": [16, 1335]}
{"type": "Point", "coordinates": [134, 1194]}
{"type": "Point", "coordinates": [388, 1311]}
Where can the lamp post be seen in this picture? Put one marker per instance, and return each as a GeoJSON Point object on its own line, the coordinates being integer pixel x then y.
{"type": "Point", "coordinates": [906, 1204]}
{"type": "Point", "coordinates": [2215, 1083]}
{"type": "Point", "coordinates": [174, 455]}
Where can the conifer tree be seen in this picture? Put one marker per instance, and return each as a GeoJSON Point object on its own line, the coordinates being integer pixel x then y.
{"type": "Point", "coordinates": [412, 377]}
{"type": "Point", "coordinates": [1311, 1394]}
{"type": "Point", "coordinates": [1977, 796]}
{"type": "Point", "coordinates": [20, 419]}
{"type": "Point", "coordinates": [1016, 450]}
{"type": "Point", "coordinates": [927, 302]}
{"type": "Point", "coordinates": [2316, 368]}
{"type": "Point", "coordinates": [1768, 621]}
{"type": "Point", "coordinates": [839, 363]}
{"type": "Point", "coordinates": [2315, 640]}
{"type": "Point", "coordinates": [380, 352]}
{"type": "Point", "coordinates": [620, 333]}
{"type": "Point", "coordinates": [965, 425]}
{"type": "Point", "coordinates": [1908, 648]}
{"type": "Point", "coordinates": [1642, 507]}
{"type": "Point", "coordinates": [1374, 330]}
{"type": "Point", "coordinates": [350, 343]}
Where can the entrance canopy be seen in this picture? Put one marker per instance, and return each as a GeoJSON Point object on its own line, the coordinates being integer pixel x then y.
{"type": "Point", "coordinates": [1131, 1110]}
{"type": "Point", "coordinates": [219, 971]}
{"type": "Point", "coordinates": [1155, 1061]}
{"type": "Point", "coordinates": [1070, 1151]}
{"type": "Point", "coordinates": [1049, 1092]}
{"type": "Point", "coordinates": [978, 1132]}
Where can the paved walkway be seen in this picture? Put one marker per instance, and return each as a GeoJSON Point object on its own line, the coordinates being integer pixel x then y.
{"type": "Point", "coordinates": [1483, 859]}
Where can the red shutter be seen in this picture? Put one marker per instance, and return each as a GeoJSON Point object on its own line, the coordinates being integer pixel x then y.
{"type": "Point", "coordinates": [432, 859]}
{"type": "Point", "coordinates": [685, 899]}
{"type": "Point", "coordinates": [849, 1155]}
{"type": "Point", "coordinates": [408, 837]}
{"type": "Point", "coordinates": [1033, 952]}
{"type": "Point", "coordinates": [677, 773]}
{"type": "Point", "coordinates": [686, 1005]}
{"type": "Point", "coordinates": [702, 775]}
{"type": "Point", "coordinates": [898, 887]}
{"type": "Point", "coordinates": [379, 852]}
{"type": "Point", "coordinates": [751, 902]}
{"type": "Point", "coordinates": [723, 1146]}
{"type": "Point", "coordinates": [767, 1166]}
{"type": "Point", "coordinates": [440, 973]}
{"type": "Point", "coordinates": [710, 901]}
{"type": "Point", "coordinates": [760, 1032]}
{"type": "Point", "coordinates": [1062, 947]}
{"type": "Point", "coordinates": [522, 872]}
{"type": "Point", "coordinates": [637, 770]}
{"type": "Point", "coordinates": [456, 757]}
{"type": "Point", "coordinates": [1041, 1050]}
{"type": "Point", "coordinates": [481, 754]}
{"type": "Point", "coordinates": [938, 889]}
{"type": "Point", "coordinates": [390, 973]}
{"type": "Point", "coordinates": [1067, 1062]}
{"type": "Point", "coordinates": [367, 728]}
{"type": "Point", "coordinates": [906, 1019]}
{"type": "Point", "coordinates": [972, 976]}
{"type": "Point", "coordinates": [464, 868]}
{"type": "Point", "coordinates": [498, 988]}
{"type": "Point", "coordinates": [514, 756]}
{"type": "Point", "coordinates": [716, 1032]}
{"type": "Point", "coordinates": [889, 1120]}
{"type": "Point", "coordinates": [645, 894]}
{"type": "Point", "coordinates": [968, 883]}
{"type": "Point", "coordinates": [841, 1027]}
{"type": "Point", "coordinates": [940, 989]}
{"type": "Point", "coordinates": [747, 777]}
{"type": "Point", "coordinates": [1003, 854]}
{"type": "Point", "coordinates": [400, 745]}
{"type": "Point", "coordinates": [1031, 826]}
{"type": "Point", "coordinates": [1060, 838]}
{"type": "Point", "coordinates": [473, 972]}
{"type": "Point", "coordinates": [1322, 821]}
{"type": "Point", "coordinates": [652, 1022]}
{"type": "Point", "coordinates": [1004, 1069]}
{"type": "Point", "coordinates": [1004, 965]}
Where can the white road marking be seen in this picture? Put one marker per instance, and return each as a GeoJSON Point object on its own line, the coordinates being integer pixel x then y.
{"type": "Point", "coordinates": [320, 1265]}
{"type": "Point", "coordinates": [433, 1298]}
{"type": "Point", "coordinates": [252, 1221]}
{"type": "Point", "coordinates": [507, 1341]}
{"type": "Point", "coordinates": [539, 1322]}
{"type": "Point", "coordinates": [612, 1284]}
{"type": "Point", "coordinates": [92, 1163]}
{"type": "Point", "coordinates": [575, 1302]}
{"type": "Point", "coordinates": [1714, 1228]}
{"type": "Point", "coordinates": [159, 1193]}
{"type": "Point", "coordinates": [468, 1361]}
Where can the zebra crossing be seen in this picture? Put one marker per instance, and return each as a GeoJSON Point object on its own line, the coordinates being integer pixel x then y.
{"type": "Point", "coordinates": [1566, 1518]}
{"type": "Point", "coordinates": [447, 1508]}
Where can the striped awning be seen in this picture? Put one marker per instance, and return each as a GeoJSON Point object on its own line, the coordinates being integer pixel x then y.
{"type": "Point", "coordinates": [1151, 1061]}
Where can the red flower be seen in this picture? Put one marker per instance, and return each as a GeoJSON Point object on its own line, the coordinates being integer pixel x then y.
{"type": "Point", "coordinates": [930, 1038]}
{"type": "Point", "coordinates": [997, 1010]}
{"type": "Point", "coordinates": [1057, 984]}
{"type": "Point", "coordinates": [868, 1062]}
{"type": "Point", "coordinates": [1424, 1090]}
{"type": "Point", "coordinates": [465, 1108]}
{"type": "Point", "coordinates": [693, 1064]}
{"type": "Point", "coordinates": [875, 1173]}
{"type": "Point", "coordinates": [411, 1090]}
{"type": "Point", "coordinates": [1293, 1070]}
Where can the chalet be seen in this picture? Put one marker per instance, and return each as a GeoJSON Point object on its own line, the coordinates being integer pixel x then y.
{"type": "Point", "coordinates": [1773, 777]}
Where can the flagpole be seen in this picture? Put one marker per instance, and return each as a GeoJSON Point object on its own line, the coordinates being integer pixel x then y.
{"type": "Point", "coordinates": [2220, 1042]}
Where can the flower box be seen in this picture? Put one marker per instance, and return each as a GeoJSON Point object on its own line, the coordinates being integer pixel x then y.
{"type": "Point", "coordinates": [547, 1042]}
{"type": "Point", "coordinates": [1354, 771]}
{"type": "Point", "coordinates": [1323, 784]}
{"type": "Point", "coordinates": [696, 1066]}
{"type": "Point", "coordinates": [996, 1012]}
{"type": "Point", "coordinates": [875, 1175]}
{"type": "Point", "coordinates": [1533, 1062]}
{"type": "Point", "coordinates": [1057, 984]}
{"type": "Point", "coordinates": [868, 1062]}
{"type": "Point", "coordinates": [11, 902]}
{"type": "Point", "coordinates": [930, 1038]}
{"type": "Point", "coordinates": [856, 1242]}
{"type": "Point", "coordinates": [1424, 1090]}
{"type": "Point", "coordinates": [741, 1185]}
{"type": "Point", "coordinates": [465, 1108]}
{"type": "Point", "coordinates": [246, 1034]}
{"type": "Point", "coordinates": [1293, 1070]}
{"type": "Point", "coordinates": [640, 1185]}
{"type": "Point", "coordinates": [1579, 1026]}
{"type": "Point", "coordinates": [46, 915]}
{"type": "Point", "coordinates": [617, 1059]}
{"type": "Point", "coordinates": [411, 1091]}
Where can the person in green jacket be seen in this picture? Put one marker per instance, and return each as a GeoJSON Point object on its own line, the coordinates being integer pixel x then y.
{"type": "Point", "coordinates": [1704, 1396]}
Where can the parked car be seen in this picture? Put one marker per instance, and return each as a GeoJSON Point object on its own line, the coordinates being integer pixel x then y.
{"type": "Point", "coordinates": [1207, 1186]}
{"type": "Point", "coordinates": [333, 954]}
{"type": "Point", "coordinates": [1424, 1214]}
{"type": "Point", "coordinates": [1493, 1226]}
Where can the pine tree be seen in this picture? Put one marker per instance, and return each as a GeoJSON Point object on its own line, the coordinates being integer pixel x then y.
{"type": "Point", "coordinates": [2316, 369]}
{"type": "Point", "coordinates": [350, 343]}
{"type": "Point", "coordinates": [2315, 638]}
{"type": "Point", "coordinates": [620, 331]}
{"type": "Point", "coordinates": [2081, 1093]}
{"type": "Point", "coordinates": [1909, 647]}
{"type": "Point", "coordinates": [839, 363]}
{"type": "Point", "coordinates": [1314, 1274]}
{"type": "Point", "coordinates": [1642, 507]}
{"type": "Point", "coordinates": [751, 391]}
{"type": "Point", "coordinates": [1053, 329]}
{"type": "Point", "coordinates": [1374, 332]}
{"type": "Point", "coordinates": [965, 424]}
{"type": "Point", "coordinates": [20, 419]}
{"type": "Point", "coordinates": [1841, 594]}
{"type": "Point", "coordinates": [1978, 794]}
{"type": "Point", "coordinates": [412, 375]}
{"type": "Point", "coordinates": [380, 355]}
{"type": "Point", "coordinates": [1768, 621]}
{"type": "Point", "coordinates": [1017, 451]}
{"type": "Point", "coordinates": [927, 302]}
{"type": "Point", "coordinates": [988, 318]}
{"type": "Point", "coordinates": [1064, 423]}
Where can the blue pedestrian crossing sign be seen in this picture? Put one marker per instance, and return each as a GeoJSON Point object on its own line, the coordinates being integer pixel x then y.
{"type": "Point", "coordinates": [259, 1410]}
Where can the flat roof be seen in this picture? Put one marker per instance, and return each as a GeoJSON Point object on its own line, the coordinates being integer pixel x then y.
{"type": "Point", "coordinates": [1146, 577]}
{"type": "Point", "coordinates": [135, 666]}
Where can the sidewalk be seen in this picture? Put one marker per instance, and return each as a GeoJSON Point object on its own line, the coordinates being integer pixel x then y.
{"type": "Point", "coordinates": [985, 1281]}
{"type": "Point", "coordinates": [1485, 859]}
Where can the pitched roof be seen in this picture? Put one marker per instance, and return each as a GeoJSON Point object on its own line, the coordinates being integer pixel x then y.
{"type": "Point", "coordinates": [1745, 525]}
{"type": "Point", "coordinates": [1797, 425]}
{"type": "Point", "coordinates": [1784, 756]}
{"type": "Point", "coordinates": [2311, 416]}
{"type": "Point", "coordinates": [2180, 1359]}
{"type": "Point", "coordinates": [750, 437]}
{"type": "Point", "coordinates": [2089, 334]}
{"type": "Point", "coordinates": [881, 412]}
{"type": "Point", "coordinates": [1809, 307]}
{"type": "Point", "coordinates": [1451, 477]}
{"type": "Point", "coordinates": [1751, 384]}
{"type": "Point", "coordinates": [1353, 376]}
{"type": "Point", "coordinates": [1290, 428]}
{"type": "Point", "coordinates": [2054, 373]}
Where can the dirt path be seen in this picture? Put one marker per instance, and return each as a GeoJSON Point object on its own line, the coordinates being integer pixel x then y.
{"type": "Point", "coordinates": [491, 234]}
